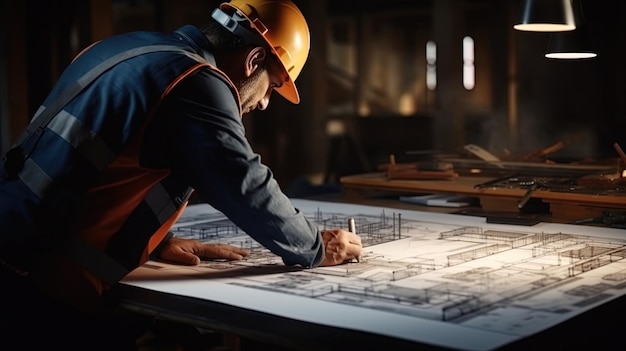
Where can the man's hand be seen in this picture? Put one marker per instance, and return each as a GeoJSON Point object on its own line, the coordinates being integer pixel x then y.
{"type": "Point", "coordinates": [340, 246]}
{"type": "Point", "coordinates": [188, 251]}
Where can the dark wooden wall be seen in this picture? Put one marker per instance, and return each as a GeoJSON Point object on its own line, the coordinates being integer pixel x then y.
{"type": "Point", "coordinates": [522, 100]}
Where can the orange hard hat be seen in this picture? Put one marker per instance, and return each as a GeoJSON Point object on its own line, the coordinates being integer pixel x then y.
{"type": "Point", "coordinates": [283, 27]}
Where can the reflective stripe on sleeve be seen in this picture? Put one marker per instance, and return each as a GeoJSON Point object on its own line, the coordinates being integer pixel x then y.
{"type": "Point", "coordinates": [160, 202]}
{"type": "Point", "coordinates": [90, 145]}
{"type": "Point", "coordinates": [35, 178]}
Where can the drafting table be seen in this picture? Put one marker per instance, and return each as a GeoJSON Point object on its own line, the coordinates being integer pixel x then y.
{"type": "Point", "coordinates": [426, 280]}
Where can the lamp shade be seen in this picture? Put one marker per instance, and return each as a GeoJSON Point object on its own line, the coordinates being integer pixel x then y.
{"type": "Point", "coordinates": [575, 44]}
{"type": "Point", "coordinates": [546, 16]}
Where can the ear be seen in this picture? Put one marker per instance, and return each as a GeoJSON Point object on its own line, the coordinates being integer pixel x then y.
{"type": "Point", "coordinates": [255, 59]}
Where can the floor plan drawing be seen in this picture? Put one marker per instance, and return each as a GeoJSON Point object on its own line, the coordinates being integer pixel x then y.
{"type": "Point", "coordinates": [420, 272]}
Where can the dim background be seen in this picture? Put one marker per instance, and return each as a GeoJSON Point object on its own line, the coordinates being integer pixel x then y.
{"type": "Point", "coordinates": [366, 89]}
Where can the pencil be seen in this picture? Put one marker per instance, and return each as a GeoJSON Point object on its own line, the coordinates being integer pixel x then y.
{"type": "Point", "coordinates": [352, 229]}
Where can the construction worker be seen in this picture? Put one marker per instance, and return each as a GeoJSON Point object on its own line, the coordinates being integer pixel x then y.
{"type": "Point", "coordinates": [93, 186]}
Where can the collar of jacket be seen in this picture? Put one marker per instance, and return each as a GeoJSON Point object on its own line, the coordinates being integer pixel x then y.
{"type": "Point", "coordinates": [192, 36]}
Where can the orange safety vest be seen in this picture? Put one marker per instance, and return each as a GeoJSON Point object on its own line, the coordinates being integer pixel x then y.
{"type": "Point", "coordinates": [127, 209]}
{"type": "Point", "coordinates": [121, 219]}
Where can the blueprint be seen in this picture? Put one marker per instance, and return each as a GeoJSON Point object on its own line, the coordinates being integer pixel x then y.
{"type": "Point", "coordinates": [423, 277]}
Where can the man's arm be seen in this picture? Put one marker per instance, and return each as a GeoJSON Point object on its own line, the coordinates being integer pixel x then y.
{"type": "Point", "coordinates": [211, 153]}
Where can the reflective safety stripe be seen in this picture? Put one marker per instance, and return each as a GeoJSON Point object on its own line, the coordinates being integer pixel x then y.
{"type": "Point", "coordinates": [106, 267]}
{"type": "Point", "coordinates": [69, 128]}
{"type": "Point", "coordinates": [95, 261]}
{"type": "Point", "coordinates": [35, 178]}
{"type": "Point", "coordinates": [39, 111]}
{"type": "Point", "coordinates": [90, 145]}
{"type": "Point", "coordinates": [72, 130]}
{"type": "Point", "coordinates": [166, 201]}
{"type": "Point", "coordinates": [160, 202]}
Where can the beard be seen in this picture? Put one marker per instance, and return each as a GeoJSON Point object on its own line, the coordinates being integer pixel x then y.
{"type": "Point", "coordinates": [249, 88]}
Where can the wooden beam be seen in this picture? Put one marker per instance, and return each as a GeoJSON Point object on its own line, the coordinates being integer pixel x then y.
{"type": "Point", "coordinates": [17, 68]}
{"type": "Point", "coordinates": [101, 13]}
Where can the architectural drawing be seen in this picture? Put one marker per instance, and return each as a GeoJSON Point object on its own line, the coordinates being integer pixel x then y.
{"type": "Point", "coordinates": [507, 281]}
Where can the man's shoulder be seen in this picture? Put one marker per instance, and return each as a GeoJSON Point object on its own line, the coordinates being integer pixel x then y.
{"type": "Point", "coordinates": [209, 87]}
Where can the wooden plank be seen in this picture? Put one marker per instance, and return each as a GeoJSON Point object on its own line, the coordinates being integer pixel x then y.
{"type": "Point", "coordinates": [467, 186]}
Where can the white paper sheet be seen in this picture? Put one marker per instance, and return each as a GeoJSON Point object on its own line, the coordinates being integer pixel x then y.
{"type": "Point", "coordinates": [447, 280]}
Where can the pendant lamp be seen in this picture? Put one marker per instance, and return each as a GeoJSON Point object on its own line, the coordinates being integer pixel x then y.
{"type": "Point", "coordinates": [576, 44]}
{"type": "Point", "coordinates": [546, 16]}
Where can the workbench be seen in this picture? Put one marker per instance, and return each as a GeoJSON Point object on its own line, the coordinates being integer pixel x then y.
{"type": "Point", "coordinates": [562, 206]}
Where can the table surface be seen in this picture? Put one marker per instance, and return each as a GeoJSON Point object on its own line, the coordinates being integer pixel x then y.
{"type": "Point", "coordinates": [259, 326]}
{"type": "Point", "coordinates": [597, 329]}
{"type": "Point", "coordinates": [265, 326]}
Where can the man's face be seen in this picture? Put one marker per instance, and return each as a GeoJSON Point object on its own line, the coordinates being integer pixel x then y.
{"type": "Point", "coordinates": [256, 90]}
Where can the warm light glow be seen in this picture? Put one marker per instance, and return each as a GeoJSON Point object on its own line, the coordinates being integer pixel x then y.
{"type": "Point", "coordinates": [335, 127]}
{"type": "Point", "coordinates": [571, 55]}
{"type": "Point", "coordinates": [407, 104]}
{"type": "Point", "coordinates": [544, 27]}
{"type": "Point", "coordinates": [364, 109]}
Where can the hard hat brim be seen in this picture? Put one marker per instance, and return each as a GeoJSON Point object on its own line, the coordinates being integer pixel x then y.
{"type": "Point", "coordinates": [289, 91]}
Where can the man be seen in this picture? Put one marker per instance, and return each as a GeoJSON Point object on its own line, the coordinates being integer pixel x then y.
{"type": "Point", "coordinates": [94, 193]}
